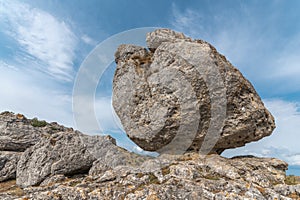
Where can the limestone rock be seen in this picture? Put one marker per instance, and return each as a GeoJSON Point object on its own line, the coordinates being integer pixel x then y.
{"type": "Point", "coordinates": [113, 157]}
{"type": "Point", "coordinates": [182, 94]}
{"type": "Point", "coordinates": [53, 179]}
{"type": "Point", "coordinates": [62, 153]}
{"type": "Point", "coordinates": [189, 176]}
{"type": "Point", "coordinates": [8, 165]}
{"type": "Point", "coordinates": [69, 153]}
{"type": "Point", "coordinates": [17, 133]}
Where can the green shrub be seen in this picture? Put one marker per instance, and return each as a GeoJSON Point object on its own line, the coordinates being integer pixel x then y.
{"type": "Point", "coordinates": [37, 123]}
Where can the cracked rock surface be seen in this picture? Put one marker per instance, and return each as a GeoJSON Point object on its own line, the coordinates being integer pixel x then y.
{"type": "Point", "coordinates": [189, 176]}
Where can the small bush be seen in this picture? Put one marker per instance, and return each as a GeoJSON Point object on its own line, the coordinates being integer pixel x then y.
{"type": "Point", "coordinates": [292, 180]}
{"type": "Point", "coordinates": [6, 113]}
{"type": "Point", "coordinates": [37, 123]}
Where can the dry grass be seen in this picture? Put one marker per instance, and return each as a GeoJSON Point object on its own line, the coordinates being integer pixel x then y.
{"type": "Point", "coordinates": [10, 187]}
{"type": "Point", "coordinates": [292, 180]}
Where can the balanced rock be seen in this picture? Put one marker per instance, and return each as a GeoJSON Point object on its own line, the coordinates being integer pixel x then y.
{"type": "Point", "coordinates": [181, 94]}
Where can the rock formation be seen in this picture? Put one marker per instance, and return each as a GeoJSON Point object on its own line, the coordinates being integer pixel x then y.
{"type": "Point", "coordinates": [189, 176]}
{"type": "Point", "coordinates": [70, 165]}
{"type": "Point", "coordinates": [54, 150]}
{"type": "Point", "coordinates": [158, 94]}
{"type": "Point", "coordinates": [8, 165]}
{"type": "Point", "coordinates": [182, 89]}
{"type": "Point", "coordinates": [17, 133]}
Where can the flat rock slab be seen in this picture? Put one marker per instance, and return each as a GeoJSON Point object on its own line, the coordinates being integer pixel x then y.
{"type": "Point", "coordinates": [181, 94]}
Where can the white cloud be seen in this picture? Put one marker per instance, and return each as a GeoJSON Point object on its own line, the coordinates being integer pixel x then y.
{"type": "Point", "coordinates": [287, 117]}
{"type": "Point", "coordinates": [34, 95]}
{"type": "Point", "coordinates": [6, 65]}
{"type": "Point", "coordinates": [294, 159]}
{"type": "Point", "coordinates": [42, 36]}
{"type": "Point", "coordinates": [189, 21]}
{"type": "Point", "coordinates": [86, 39]}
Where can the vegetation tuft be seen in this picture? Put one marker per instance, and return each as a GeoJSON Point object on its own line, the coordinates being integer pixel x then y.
{"type": "Point", "coordinates": [37, 123]}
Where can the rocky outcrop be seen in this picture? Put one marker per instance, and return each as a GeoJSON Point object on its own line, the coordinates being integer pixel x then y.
{"type": "Point", "coordinates": [71, 165]}
{"type": "Point", "coordinates": [62, 153]}
{"type": "Point", "coordinates": [182, 94]}
{"type": "Point", "coordinates": [177, 177]}
{"type": "Point", "coordinates": [17, 133]}
{"type": "Point", "coordinates": [69, 153]}
{"type": "Point", "coordinates": [42, 152]}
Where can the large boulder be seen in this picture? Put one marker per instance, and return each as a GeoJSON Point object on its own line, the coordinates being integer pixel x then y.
{"type": "Point", "coordinates": [181, 94]}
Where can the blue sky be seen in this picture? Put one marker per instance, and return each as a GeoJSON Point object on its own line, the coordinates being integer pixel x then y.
{"type": "Point", "coordinates": [43, 43]}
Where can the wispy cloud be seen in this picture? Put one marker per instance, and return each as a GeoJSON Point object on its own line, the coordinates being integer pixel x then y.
{"type": "Point", "coordinates": [106, 116]}
{"type": "Point", "coordinates": [88, 40]}
{"type": "Point", "coordinates": [294, 159]}
{"type": "Point", "coordinates": [287, 117]}
{"type": "Point", "coordinates": [189, 21]}
{"type": "Point", "coordinates": [7, 66]}
{"type": "Point", "coordinates": [34, 95]}
{"type": "Point", "coordinates": [47, 42]}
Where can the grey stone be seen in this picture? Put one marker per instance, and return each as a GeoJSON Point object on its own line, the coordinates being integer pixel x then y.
{"type": "Point", "coordinates": [62, 153]}
{"type": "Point", "coordinates": [8, 165]}
{"type": "Point", "coordinates": [110, 156]}
{"type": "Point", "coordinates": [70, 153]}
{"type": "Point", "coordinates": [17, 133]}
{"type": "Point", "coordinates": [183, 94]}
{"type": "Point", "coordinates": [188, 176]}
{"type": "Point", "coordinates": [53, 179]}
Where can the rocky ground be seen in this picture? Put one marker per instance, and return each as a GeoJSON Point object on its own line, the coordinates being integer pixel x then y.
{"type": "Point", "coordinates": [67, 165]}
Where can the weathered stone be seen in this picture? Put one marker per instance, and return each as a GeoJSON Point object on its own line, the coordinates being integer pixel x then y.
{"type": "Point", "coordinates": [114, 156]}
{"type": "Point", "coordinates": [53, 179]}
{"type": "Point", "coordinates": [17, 133]}
{"type": "Point", "coordinates": [183, 92]}
{"type": "Point", "coordinates": [62, 153]}
{"type": "Point", "coordinates": [8, 165]}
{"type": "Point", "coordinates": [69, 153]}
{"type": "Point", "coordinates": [189, 176]}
